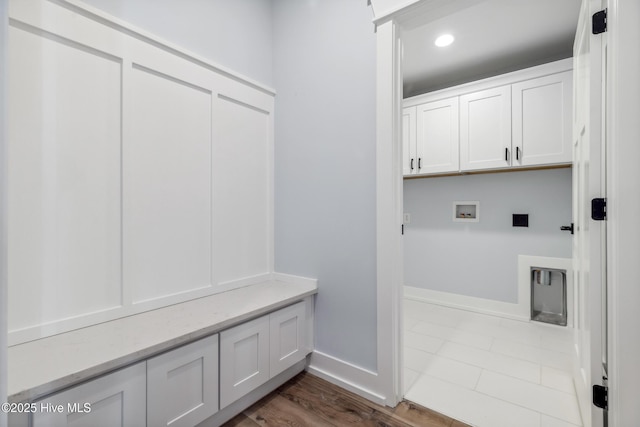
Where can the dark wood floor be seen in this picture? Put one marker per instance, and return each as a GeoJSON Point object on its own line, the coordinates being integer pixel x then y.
{"type": "Point", "coordinates": [307, 400]}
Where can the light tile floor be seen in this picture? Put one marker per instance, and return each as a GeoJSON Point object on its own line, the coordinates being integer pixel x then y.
{"type": "Point", "coordinates": [488, 371]}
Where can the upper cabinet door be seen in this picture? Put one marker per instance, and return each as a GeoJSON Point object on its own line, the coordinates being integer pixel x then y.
{"type": "Point", "coordinates": [485, 129]}
{"type": "Point", "coordinates": [408, 140]}
{"type": "Point", "coordinates": [437, 137]}
{"type": "Point", "coordinates": [542, 120]}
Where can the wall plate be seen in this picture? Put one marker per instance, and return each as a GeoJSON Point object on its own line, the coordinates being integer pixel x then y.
{"type": "Point", "coordinates": [520, 220]}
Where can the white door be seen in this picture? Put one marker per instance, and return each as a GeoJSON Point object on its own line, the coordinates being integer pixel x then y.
{"type": "Point", "coordinates": [589, 249]}
{"type": "Point", "coordinates": [485, 129]}
{"type": "Point", "coordinates": [437, 136]}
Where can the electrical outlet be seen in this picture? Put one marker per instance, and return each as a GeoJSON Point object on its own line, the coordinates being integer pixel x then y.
{"type": "Point", "coordinates": [406, 218]}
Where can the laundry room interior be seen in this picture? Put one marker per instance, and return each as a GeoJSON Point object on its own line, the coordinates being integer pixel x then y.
{"type": "Point", "coordinates": [487, 214]}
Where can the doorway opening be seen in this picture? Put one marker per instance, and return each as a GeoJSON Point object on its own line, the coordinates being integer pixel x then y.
{"type": "Point", "coordinates": [406, 29]}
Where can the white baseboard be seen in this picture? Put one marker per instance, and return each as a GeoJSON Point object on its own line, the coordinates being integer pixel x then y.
{"type": "Point", "coordinates": [346, 375]}
{"type": "Point", "coordinates": [520, 310]}
{"type": "Point", "coordinates": [464, 302]}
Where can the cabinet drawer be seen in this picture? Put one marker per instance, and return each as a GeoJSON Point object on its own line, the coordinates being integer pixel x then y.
{"type": "Point", "coordinates": [288, 337]}
{"type": "Point", "coordinates": [244, 359]}
{"type": "Point", "coordinates": [116, 399]}
{"type": "Point", "coordinates": [183, 384]}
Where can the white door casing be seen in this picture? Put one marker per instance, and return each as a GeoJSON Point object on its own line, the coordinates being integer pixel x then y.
{"type": "Point", "coordinates": [623, 204]}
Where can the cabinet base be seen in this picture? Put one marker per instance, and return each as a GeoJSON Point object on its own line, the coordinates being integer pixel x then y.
{"type": "Point", "coordinates": [244, 402]}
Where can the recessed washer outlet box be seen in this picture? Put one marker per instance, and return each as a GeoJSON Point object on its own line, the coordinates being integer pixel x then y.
{"type": "Point", "coordinates": [466, 211]}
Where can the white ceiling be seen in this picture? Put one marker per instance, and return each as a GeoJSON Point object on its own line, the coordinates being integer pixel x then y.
{"type": "Point", "coordinates": [493, 37]}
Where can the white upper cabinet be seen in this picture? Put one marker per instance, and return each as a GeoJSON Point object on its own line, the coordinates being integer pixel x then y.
{"type": "Point", "coordinates": [485, 129]}
{"type": "Point", "coordinates": [408, 140]}
{"type": "Point", "coordinates": [437, 137]}
{"type": "Point", "coordinates": [542, 120]}
{"type": "Point", "coordinates": [520, 119]}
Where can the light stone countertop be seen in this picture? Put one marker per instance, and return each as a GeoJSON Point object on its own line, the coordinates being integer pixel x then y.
{"type": "Point", "coordinates": [43, 366]}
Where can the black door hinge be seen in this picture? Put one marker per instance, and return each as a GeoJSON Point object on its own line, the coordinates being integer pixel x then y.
{"type": "Point", "coordinates": [599, 22]}
{"type": "Point", "coordinates": [402, 229]}
{"type": "Point", "coordinates": [601, 396]}
{"type": "Point", "coordinates": [599, 209]}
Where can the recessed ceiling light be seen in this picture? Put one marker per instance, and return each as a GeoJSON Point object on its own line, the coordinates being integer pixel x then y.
{"type": "Point", "coordinates": [444, 40]}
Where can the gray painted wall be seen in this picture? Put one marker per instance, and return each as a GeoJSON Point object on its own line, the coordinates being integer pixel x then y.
{"type": "Point", "coordinates": [481, 259]}
{"type": "Point", "coordinates": [324, 61]}
{"type": "Point", "coordinates": [235, 34]}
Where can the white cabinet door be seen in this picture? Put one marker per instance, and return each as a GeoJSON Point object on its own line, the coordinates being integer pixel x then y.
{"type": "Point", "coordinates": [117, 399]}
{"type": "Point", "coordinates": [244, 359]}
{"type": "Point", "coordinates": [408, 140]}
{"type": "Point", "coordinates": [288, 337]}
{"type": "Point", "coordinates": [542, 120]}
{"type": "Point", "coordinates": [437, 137]}
{"type": "Point", "coordinates": [182, 384]}
{"type": "Point", "coordinates": [485, 129]}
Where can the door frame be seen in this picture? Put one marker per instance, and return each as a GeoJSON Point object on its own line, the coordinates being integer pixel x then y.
{"type": "Point", "coordinates": [389, 193]}
{"type": "Point", "coordinates": [4, 28]}
{"type": "Point", "coordinates": [623, 201]}
{"type": "Point", "coordinates": [623, 244]}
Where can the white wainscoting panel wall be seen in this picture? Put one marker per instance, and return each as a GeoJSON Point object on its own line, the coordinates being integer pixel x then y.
{"type": "Point", "coordinates": [242, 186]}
{"type": "Point", "coordinates": [167, 185]}
{"type": "Point", "coordinates": [64, 178]}
{"type": "Point", "coordinates": [140, 174]}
